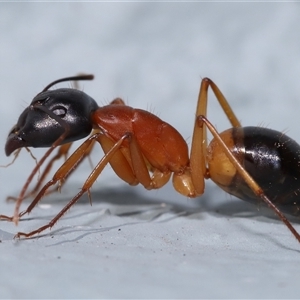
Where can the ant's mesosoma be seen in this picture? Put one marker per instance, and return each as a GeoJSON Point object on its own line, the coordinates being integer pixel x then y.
{"type": "Point", "coordinates": [252, 163]}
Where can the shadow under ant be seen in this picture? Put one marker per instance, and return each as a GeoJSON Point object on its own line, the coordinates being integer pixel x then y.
{"type": "Point", "coordinates": [128, 202]}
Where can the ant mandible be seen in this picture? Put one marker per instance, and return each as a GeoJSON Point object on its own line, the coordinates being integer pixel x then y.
{"type": "Point", "coordinates": [253, 163]}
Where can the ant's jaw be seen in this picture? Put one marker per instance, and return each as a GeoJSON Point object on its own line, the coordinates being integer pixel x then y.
{"type": "Point", "coordinates": [14, 142]}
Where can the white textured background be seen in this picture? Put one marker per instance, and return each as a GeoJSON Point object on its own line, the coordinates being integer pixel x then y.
{"type": "Point", "coordinates": [133, 243]}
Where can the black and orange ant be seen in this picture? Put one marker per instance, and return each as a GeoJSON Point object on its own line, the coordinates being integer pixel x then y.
{"type": "Point", "coordinates": [253, 163]}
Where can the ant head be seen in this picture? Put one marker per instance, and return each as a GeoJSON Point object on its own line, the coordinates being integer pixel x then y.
{"type": "Point", "coordinates": [52, 115]}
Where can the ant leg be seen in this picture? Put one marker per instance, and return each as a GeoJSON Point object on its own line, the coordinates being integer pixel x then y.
{"type": "Point", "coordinates": [19, 200]}
{"type": "Point", "coordinates": [63, 172]}
{"type": "Point", "coordinates": [120, 162]}
{"type": "Point", "coordinates": [16, 154]}
{"type": "Point", "coordinates": [72, 162]}
{"type": "Point", "coordinates": [141, 170]}
{"type": "Point", "coordinates": [130, 165]}
{"type": "Point", "coordinates": [199, 141]}
{"type": "Point", "coordinates": [112, 156]}
{"type": "Point", "coordinates": [15, 218]}
{"type": "Point", "coordinates": [245, 175]}
{"type": "Point", "coordinates": [62, 151]}
{"type": "Point", "coordinates": [206, 82]}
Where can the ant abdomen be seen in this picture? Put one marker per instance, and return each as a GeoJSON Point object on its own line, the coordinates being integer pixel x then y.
{"type": "Point", "coordinates": [270, 157]}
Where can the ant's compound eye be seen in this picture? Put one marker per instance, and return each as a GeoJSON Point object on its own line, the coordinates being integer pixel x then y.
{"type": "Point", "coordinates": [60, 111]}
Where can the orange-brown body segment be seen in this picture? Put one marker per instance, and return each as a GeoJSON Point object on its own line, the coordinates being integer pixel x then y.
{"type": "Point", "coordinates": [160, 143]}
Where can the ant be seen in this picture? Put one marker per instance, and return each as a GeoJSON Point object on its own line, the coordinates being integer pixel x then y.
{"type": "Point", "coordinates": [253, 163]}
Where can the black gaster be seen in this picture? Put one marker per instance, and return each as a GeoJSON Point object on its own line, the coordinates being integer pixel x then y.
{"type": "Point", "coordinates": [273, 160]}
